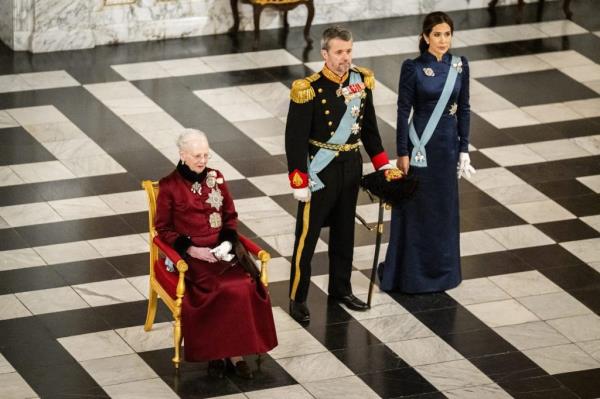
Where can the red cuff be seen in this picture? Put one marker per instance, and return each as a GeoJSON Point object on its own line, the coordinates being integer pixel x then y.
{"type": "Point", "coordinates": [298, 179]}
{"type": "Point", "coordinates": [379, 160]}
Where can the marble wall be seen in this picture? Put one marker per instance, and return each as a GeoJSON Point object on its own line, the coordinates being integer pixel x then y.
{"type": "Point", "coordinates": [51, 25]}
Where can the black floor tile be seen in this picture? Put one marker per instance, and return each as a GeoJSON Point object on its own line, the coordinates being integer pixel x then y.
{"type": "Point", "coordinates": [62, 381]}
{"type": "Point", "coordinates": [424, 302]}
{"type": "Point", "coordinates": [568, 230]}
{"type": "Point", "coordinates": [18, 146]}
{"type": "Point", "coordinates": [534, 133]}
{"type": "Point", "coordinates": [590, 297]}
{"type": "Point", "coordinates": [131, 265]}
{"type": "Point", "coordinates": [584, 205]}
{"type": "Point", "coordinates": [350, 335]}
{"type": "Point", "coordinates": [480, 161]}
{"type": "Point", "coordinates": [22, 194]}
{"type": "Point", "coordinates": [547, 256]}
{"type": "Point", "coordinates": [89, 74]}
{"type": "Point", "coordinates": [131, 314]}
{"type": "Point", "coordinates": [267, 374]}
{"type": "Point", "coordinates": [452, 320]}
{"type": "Point", "coordinates": [567, 169]}
{"type": "Point", "coordinates": [397, 383]}
{"type": "Point", "coordinates": [545, 387]}
{"type": "Point", "coordinates": [73, 322]}
{"type": "Point", "coordinates": [571, 129]}
{"type": "Point", "coordinates": [583, 383]}
{"type": "Point", "coordinates": [86, 271]}
{"type": "Point", "coordinates": [492, 264]}
{"type": "Point", "coordinates": [478, 343]}
{"type": "Point", "coordinates": [369, 359]}
{"type": "Point", "coordinates": [541, 87]}
{"type": "Point", "coordinates": [508, 366]}
{"type": "Point", "coordinates": [259, 166]}
{"type": "Point", "coordinates": [491, 217]}
{"type": "Point", "coordinates": [242, 188]}
{"type": "Point", "coordinates": [484, 134]}
{"type": "Point", "coordinates": [225, 79]}
{"type": "Point", "coordinates": [137, 221]}
{"type": "Point", "coordinates": [287, 202]}
{"type": "Point", "coordinates": [10, 239]}
{"type": "Point", "coordinates": [29, 279]}
{"type": "Point", "coordinates": [563, 189]}
{"type": "Point", "coordinates": [573, 277]}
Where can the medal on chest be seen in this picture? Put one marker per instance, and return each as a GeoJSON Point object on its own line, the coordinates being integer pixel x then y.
{"type": "Point", "coordinates": [215, 220]}
{"type": "Point", "coordinates": [351, 91]}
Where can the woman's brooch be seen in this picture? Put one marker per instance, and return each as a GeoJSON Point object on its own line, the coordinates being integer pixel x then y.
{"type": "Point", "coordinates": [428, 72]}
{"type": "Point", "coordinates": [458, 66]}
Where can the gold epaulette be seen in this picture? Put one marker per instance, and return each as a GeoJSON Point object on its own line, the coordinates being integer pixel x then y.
{"type": "Point", "coordinates": [368, 77]}
{"type": "Point", "coordinates": [302, 91]}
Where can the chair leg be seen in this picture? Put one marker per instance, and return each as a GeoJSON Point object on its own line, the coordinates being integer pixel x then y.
{"type": "Point", "coordinates": [236, 17]}
{"type": "Point", "coordinates": [177, 341]}
{"type": "Point", "coordinates": [257, 10]}
{"type": "Point", "coordinates": [309, 18]}
{"type": "Point", "coordinates": [567, 9]}
{"type": "Point", "coordinates": [152, 305]}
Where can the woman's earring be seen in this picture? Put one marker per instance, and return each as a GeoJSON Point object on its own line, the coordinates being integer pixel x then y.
{"type": "Point", "coordinates": [182, 162]}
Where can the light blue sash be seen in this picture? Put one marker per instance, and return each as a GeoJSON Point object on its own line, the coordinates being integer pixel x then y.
{"type": "Point", "coordinates": [324, 156]}
{"type": "Point", "coordinates": [418, 156]}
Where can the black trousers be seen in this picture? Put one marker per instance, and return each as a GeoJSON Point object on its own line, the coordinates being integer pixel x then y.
{"type": "Point", "coordinates": [333, 205]}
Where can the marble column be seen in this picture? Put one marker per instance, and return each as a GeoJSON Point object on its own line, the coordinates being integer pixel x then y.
{"type": "Point", "coordinates": [7, 22]}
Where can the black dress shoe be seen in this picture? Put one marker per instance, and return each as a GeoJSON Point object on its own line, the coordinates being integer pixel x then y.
{"type": "Point", "coordinates": [216, 368]}
{"type": "Point", "coordinates": [353, 302]}
{"type": "Point", "coordinates": [241, 369]}
{"type": "Point", "coordinates": [299, 311]}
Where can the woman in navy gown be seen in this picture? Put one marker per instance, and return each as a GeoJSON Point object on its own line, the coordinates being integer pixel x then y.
{"type": "Point", "coordinates": [424, 249]}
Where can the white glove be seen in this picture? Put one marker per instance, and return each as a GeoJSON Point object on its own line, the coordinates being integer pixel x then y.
{"type": "Point", "coordinates": [386, 166]}
{"type": "Point", "coordinates": [464, 168]}
{"type": "Point", "coordinates": [221, 251]}
{"type": "Point", "coordinates": [301, 194]}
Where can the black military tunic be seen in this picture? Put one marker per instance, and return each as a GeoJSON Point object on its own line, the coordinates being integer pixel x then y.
{"type": "Point", "coordinates": [315, 111]}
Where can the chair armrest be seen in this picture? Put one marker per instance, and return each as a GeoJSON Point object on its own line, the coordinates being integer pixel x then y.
{"type": "Point", "coordinates": [170, 253]}
{"type": "Point", "coordinates": [261, 254]}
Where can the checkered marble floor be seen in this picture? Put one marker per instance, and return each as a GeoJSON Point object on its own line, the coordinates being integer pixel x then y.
{"type": "Point", "coordinates": [79, 130]}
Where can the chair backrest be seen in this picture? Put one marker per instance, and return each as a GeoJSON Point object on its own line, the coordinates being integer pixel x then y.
{"type": "Point", "coordinates": [151, 188]}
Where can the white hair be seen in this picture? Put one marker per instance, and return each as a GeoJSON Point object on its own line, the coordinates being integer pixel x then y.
{"type": "Point", "coordinates": [190, 136]}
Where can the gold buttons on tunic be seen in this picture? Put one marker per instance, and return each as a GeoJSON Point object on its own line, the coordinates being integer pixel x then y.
{"type": "Point", "coordinates": [323, 101]}
{"type": "Point", "coordinates": [326, 112]}
{"type": "Point", "coordinates": [330, 123]}
{"type": "Point", "coordinates": [320, 90]}
{"type": "Point", "coordinates": [332, 133]}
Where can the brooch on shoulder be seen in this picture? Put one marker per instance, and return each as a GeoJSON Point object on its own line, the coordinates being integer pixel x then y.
{"type": "Point", "coordinates": [428, 72]}
{"type": "Point", "coordinates": [458, 66]}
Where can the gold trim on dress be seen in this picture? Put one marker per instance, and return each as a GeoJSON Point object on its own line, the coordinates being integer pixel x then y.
{"type": "Point", "coordinates": [305, 222]}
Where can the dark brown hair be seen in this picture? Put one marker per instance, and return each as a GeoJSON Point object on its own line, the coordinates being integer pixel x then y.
{"type": "Point", "coordinates": [431, 20]}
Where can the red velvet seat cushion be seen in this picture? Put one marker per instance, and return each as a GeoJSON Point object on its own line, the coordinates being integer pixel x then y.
{"type": "Point", "coordinates": [167, 279]}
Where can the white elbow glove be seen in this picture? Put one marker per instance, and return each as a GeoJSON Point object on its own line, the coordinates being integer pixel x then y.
{"type": "Point", "coordinates": [301, 194]}
{"type": "Point", "coordinates": [464, 168]}
{"type": "Point", "coordinates": [221, 251]}
{"type": "Point", "coordinates": [386, 166]}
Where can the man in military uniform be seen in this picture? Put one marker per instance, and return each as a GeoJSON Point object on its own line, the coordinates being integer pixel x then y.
{"type": "Point", "coordinates": [330, 113]}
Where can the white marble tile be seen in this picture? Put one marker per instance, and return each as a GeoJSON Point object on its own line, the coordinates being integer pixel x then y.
{"type": "Point", "coordinates": [453, 375]}
{"type": "Point", "coordinates": [522, 193]}
{"type": "Point", "coordinates": [12, 83]}
{"type": "Point", "coordinates": [51, 300]}
{"type": "Point", "coordinates": [478, 242]}
{"type": "Point", "coordinates": [473, 37]}
{"type": "Point", "coordinates": [486, 68]}
{"type": "Point", "coordinates": [126, 202]}
{"type": "Point", "coordinates": [370, 212]}
{"type": "Point", "coordinates": [120, 245]}
{"type": "Point", "coordinates": [388, 113]}
{"type": "Point", "coordinates": [531, 335]}
{"type": "Point", "coordinates": [162, 138]}
{"type": "Point", "coordinates": [559, 149]}
{"type": "Point", "coordinates": [5, 366]}
{"type": "Point", "coordinates": [272, 184]}
{"type": "Point", "coordinates": [341, 388]}
{"type": "Point", "coordinates": [578, 328]}
{"type": "Point", "coordinates": [509, 118]}
{"type": "Point", "coordinates": [513, 33]}
{"type": "Point", "coordinates": [11, 307]}
{"type": "Point", "coordinates": [593, 221]}
{"type": "Point", "coordinates": [271, 58]}
{"type": "Point", "coordinates": [288, 392]}
{"type": "Point", "coordinates": [36, 115]}
{"type": "Point", "coordinates": [562, 359]}
{"type": "Point", "coordinates": [589, 143]}
{"type": "Point", "coordinates": [564, 59]}
{"type": "Point", "coordinates": [586, 250]}
{"type": "Point", "coordinates": [3, 224]}
{"type": "Point", "coordinates": [541, 211]}
{"type": "Point", "coordinates": [266, 92]}
{"type": "Point", "coordinates": [141, 70]}
{"type": "Point", "coordinates": [589, 108]}
{"type": "Point", "coordinates": [93, 166]}
{"type": "Point", "coordinates": [382, 305]}
{"type": "Point", "coordinates": [7, 121]}
{"type": "Point", "coordinates": [554, 112]}
{"type": "Point", "coordinates": [81, 208]}
{"type": "Point", "coordinates": [554, 305]}
{"type": "Point", "coordinates": [559, 28]}
{"type": "Point", "coordinates": [489, 178]}
{"type": "Point", "coordinates": [592, 182]}
{"type": "Point", "coordinates": [108, 292]}
{"type": "Point", "coordinates": [314, 367]}
{"type": "Point", "coordinates": [279, 269]}
{"type": "Point", "coordinates": [511, 155]}
{"type": "Point", "coordinates": [491, 101]}
{"type": "Point", "coordinates": [422, 351]}
{"type": "Point", "coordinates": [132, 106]}
{"type": "Point", "coordinates": [592, 348]}
{"type": "Point", "coordinates": [258, 208]}
{"type": "Point", "coordinates": [185, 66]}
{"type": "Point", "coordinates": [118, 369]}
{"type": "Point", "coordinates": [28, 214]}
{"type": "Point", "coordinates": [594, 85]}
{"type": "Point", "coordinates": [523, 63]}
{"type": "Point", "coordinates": [359, 282]}
{"type": "Point", "coordinates": [55, 131]}
{"type": "Point", "coordinates": [37, 172]}
{"type": "Point", "coordinates": [274, 145]}
{"type": "Point", "coordinates": [296, 342]}
{"type": "Point", "coordinates": [229, 62]}
{"type": "Point", "coordinates": [19, 258]}
{"type": "Point", "coordinates": [48, 80]}
{"type": "Point", "coordinates": [230, 173]}
{"type": "Point", "coordinates": [141, 284]}
{"type": "Point", "coordinates": [283, 321]}
{"type": "Point", "coordinates": [97, 345]}
{"type": "Point", "coordinates": [397, 328]}
{"type": "Point", "coordinates": [284, 244]}
{"type": "Point", "coordinates": [67, 252]}
{"type": "Point", "coordinates": [363, 256]}
{"type": "Point", "coordinates": [154, 388]}
{"type": "Point", "coordinates": [522, 236]}
{"type": "Point", "coordinates": [491, 391]}
{"type": "Point", "coordinates": [13, 386]}
{"type": "Point", "coordinates": [477, 290]}
{"type": "Point", "coordinates": [114, 90]}
{"type": "Point", "coordinates": [382, 95]}
{"type": "Point", "coordinates": [583, 73]}
{"type": "Point", "coordinates": [258, 128]}
{"type": "Point", "coordinates": [8, 177]}
{"type": "Point", "coordinates": [151, 121]}
{"type": "Point", "coordinates": [160, 337]}
{"type": "Point", "coordinates": [502, 313]}
{"type": "Point", "coordinates": [525, 284]}
{"type": "Point", "coordinates": [246, 111]}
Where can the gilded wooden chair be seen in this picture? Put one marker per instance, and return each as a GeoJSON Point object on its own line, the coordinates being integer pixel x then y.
{"type": "Point", "coordinates": [281, 5]}
{"type": "Point", "coordinates": [170, 286]}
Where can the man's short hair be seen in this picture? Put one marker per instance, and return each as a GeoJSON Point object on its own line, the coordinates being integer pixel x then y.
{"type": "Point", "coordinates": [334, 32]}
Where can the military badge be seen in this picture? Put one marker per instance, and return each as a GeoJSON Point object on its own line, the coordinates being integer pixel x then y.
{"type": "Point", "coordinates": [355, 128]}
{"type": "Point", "coordinates": [351, 91]}
{"type": "Point", "coordinates": [215, 199]}
{"type": "Point", "coordinates": [196, 188]}
{"type": "Point", "coordinates": [428, 72]}
{"type": "Point", "coordinates": [215, 220]}
{"type": "Point", "coordinates": [355, 111]}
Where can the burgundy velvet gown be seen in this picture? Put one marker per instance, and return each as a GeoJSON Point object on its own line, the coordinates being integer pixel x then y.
{"type": "Point", "coordinates": [225, 311]}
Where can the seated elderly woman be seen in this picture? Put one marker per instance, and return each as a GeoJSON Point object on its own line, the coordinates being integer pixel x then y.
{"type": "Point", "coordinates": [226, 311]}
